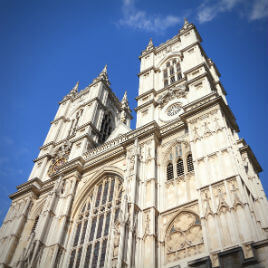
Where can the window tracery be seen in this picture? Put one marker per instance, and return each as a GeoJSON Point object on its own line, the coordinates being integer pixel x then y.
{"type": "Point", "coordinates": [93, 224]}
{"type": "Point", "coordinates": [184, 236]}
{"type": "Point", "coordinates": [172, 72]}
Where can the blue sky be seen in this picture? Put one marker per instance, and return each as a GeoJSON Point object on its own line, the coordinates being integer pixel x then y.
{"type": "Point", "coordinates": [46, 46]}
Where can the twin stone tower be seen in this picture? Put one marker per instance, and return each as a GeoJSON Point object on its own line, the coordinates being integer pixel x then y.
{"type": "Point", "coordinates": [180, 190]}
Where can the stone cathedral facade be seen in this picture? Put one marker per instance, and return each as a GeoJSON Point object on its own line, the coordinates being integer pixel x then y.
{"type": "Point", "coordinates": [181, 190]}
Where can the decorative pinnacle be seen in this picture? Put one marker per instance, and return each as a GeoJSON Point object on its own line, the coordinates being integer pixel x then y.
{"type": "Point", "coordinates": [124, 99]}
{"type": "Point", "coordinates": [104, 69]}
{"type": "Point", "coordinates": [186, 21]}
{"type": "Point", "coordinates": [150, 44]}
{"type": "Point", "coordinates": [103, 75]}
{"type": "Point", "coordinates": [125, 107]}
{"type": "Point", "coordinates": [75, 88]}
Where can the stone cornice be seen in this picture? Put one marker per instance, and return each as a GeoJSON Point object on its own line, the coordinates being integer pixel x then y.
{"type": "Point", "coordinates": [58, 119]}
{"type": "Point", "coordinates": [46, 145]}
{"type": "Point", "coordinates": [246, 148]}
{"type": "Point", "coordinates": [172, 127]}
{"type": "Point", "coordinates": [41, 157]}
{"type": "Point", "coordinates": [211, 63]}
{"type": "Point", "coordinates": [145, 105]}
{"type": "Point", "coordinates": [32, 186]}
{"type": "Point", "coordinates": [183, 205]}
{"type": "Point", "coordinates": [148, 70]}
{"type": "Point", "coordinates": [207, 101]}
{"type": "Point", "coordinates": [203, 64]}
{"type": "Point", "coordinates": [222, 87]}
{"type": "Point", "coordinates": [146, 93]}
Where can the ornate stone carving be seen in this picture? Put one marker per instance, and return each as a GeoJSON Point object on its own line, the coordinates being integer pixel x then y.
{"type": "Point", "coordinates": [59, 158]}
{"type": "Point", "coordinates": [177, 91]}
{"type": "Point", "coordinates": [184, 236]}
{"type": "Point", "coordinates": [220, 193]}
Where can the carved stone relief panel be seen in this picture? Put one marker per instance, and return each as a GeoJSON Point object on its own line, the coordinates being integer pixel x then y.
{"type": "Point", "coordinates": [219, 192]}
{"type": "Point", "coordinates": [233, 189]}
{"type": "Point", "coordinates": [184, 237]}
{"type": "Point", "coordinates": [206, 202]}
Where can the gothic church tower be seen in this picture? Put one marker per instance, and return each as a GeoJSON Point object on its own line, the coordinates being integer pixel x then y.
{"type": "Point", "coordinates": [181, 190]}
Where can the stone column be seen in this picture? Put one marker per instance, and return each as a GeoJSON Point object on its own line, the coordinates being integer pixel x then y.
{"type": "Point", "coordinates": [67, 197]}
{"type": "Point", "coordinates": [132, 204]}
{"type": "Point", "coordinates": [15, 235]}
{"type": "Point", "coordinates": [149, 237]}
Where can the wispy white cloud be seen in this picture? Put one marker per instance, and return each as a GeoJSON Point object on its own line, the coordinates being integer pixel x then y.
{"type": "Point", "coordinates": [259, 10]}
{"type": "Point", "coordinates": [210, 9]}
{"type": "Point", "coordinates": [141, 20]}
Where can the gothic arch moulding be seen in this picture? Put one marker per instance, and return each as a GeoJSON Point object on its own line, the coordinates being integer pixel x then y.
{"type": "Point", "coordinates": [168, 57]}
{"type": "Point", "coordinates": [84, 191]}
{"type": "Point", "coordinates": [178, 142]}
{"type": "Point", "coordinates": [93, 219]}
{"type": "Point", "coordinates": [184, 236]}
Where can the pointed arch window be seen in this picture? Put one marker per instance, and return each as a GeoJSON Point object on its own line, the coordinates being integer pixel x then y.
{"type": "Point", "coordinates": [170, 174]}
{"type": "Point", "coordinates": [180, 168]}
{"type": "Point", "coordinates": [93, 224]}
{"type": "Point", "coordinates": [172, 72]}
{"type": "Point", "coordinates": [190, 165]}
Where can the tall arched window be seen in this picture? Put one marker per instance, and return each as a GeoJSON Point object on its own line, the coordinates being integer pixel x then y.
{"type": "Point", "coordinates": [190, 165]}
{"type": "Point", "coordinates": [106, 127]}
{"type": "Point", "coordinates": [93, 224]}
{"type": "Point", "coordinates": [170, 174]}
{"type": "Point", "coordinates": [180, 168]}
{"type": "Point", "coordinates": [172, 72]}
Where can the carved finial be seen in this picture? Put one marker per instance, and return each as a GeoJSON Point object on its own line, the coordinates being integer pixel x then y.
{"type": "Point", "coordinates": [150, 44]}
{"type": "Point", "coordinates": [125, 107]}
{"type": "Point", "coordinates": [124, 99]}
{"type": "Point", "coordinates": [186, 21]}
{"type": "Point", "coordinates": [103, 76]}
{"type": "Point", "coordinates": [104, 69]}
{"type": "Point", "coordinates": [75, 89]}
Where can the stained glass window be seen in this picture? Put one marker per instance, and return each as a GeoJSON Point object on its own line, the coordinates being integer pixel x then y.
{"type": "Point", "coordinates": [92, 227]}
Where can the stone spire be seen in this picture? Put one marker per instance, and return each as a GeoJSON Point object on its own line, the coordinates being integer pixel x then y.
{"type": "Point", "coordinates": [150, 44]}
{"type": "Point", "coordinates": [185, 26]}
{"type": "Point", "coordinates": [74, 90]}
{"type": "Point", "coordinates": [186, 22]}
{"type": "Point", "coordinates": [125, 108]}
{"type": "Point", "coordinates": [103, 76]}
